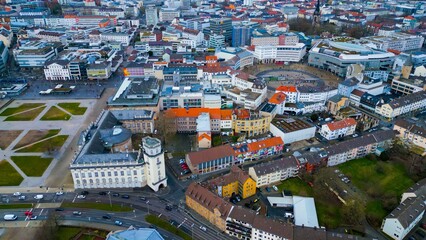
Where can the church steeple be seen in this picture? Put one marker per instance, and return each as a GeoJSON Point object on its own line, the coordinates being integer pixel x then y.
{"type": "Point", "coordinates": [317, 14]}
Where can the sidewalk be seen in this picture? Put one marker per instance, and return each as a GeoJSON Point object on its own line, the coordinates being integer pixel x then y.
{"type": "Point", "coordinates": [13, 189]}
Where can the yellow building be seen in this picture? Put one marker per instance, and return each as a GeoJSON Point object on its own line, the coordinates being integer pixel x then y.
{"type": "Point", "coordinates": [233, 183]}
{"type": "Point", "coordinates": [208, 205]}
{"type": "Point", "coordinates": [250, 123]}
{"type": "Point", "coordinates": [336, 103]}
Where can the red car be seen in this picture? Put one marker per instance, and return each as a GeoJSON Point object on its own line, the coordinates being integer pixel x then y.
{"type": "Point", "coordinates": [185, 168]}
{"type": "Point", "coordinates": [28, 213]}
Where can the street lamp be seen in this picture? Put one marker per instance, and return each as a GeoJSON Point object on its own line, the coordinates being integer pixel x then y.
{"type": "Point", "coordinates": [109, 195]}
{"type": "Point", "coordinates": [147, 203]}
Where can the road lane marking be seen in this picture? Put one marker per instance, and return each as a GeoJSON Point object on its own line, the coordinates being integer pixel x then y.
{"type": "Point", "coordinates": [41, 212]}
{"type": "Point", "coordinates": [28, 223]}
{"type": "Point", "coordinates": [74, 198]}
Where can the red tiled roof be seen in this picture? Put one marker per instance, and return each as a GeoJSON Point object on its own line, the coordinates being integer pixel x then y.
{"type": "Point", "coordinates": [204, 136]}
{"type": "Point", "coordinates": [267, 143]}
{"type": "Point", "coordinates": [277, 98]}
{"type": "Point", "coordinates": [347, 122]}
{"type": "Point", "coordinates": [210, 154]}
{"type": "Point", "coordinates": [286, 89]}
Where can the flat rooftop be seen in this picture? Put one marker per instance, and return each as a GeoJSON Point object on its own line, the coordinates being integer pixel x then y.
{"type": "Point", "coordinates": [289, 124]}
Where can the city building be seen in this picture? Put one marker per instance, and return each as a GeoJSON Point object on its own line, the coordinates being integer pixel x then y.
{"type": "Point", "coordinates": [241, 35]}
{"type": "Point", "coordinates": [121, 37]}
{"type": "Point", "coordinates": [106, 158]}
{"type": "Point", "coordinates": [233, 183]}
{"type": "Point", "coordinates": [168, 14]}
{"type": "Point", "coordinates": [249, 123]}
{"type": "Point", "coordinates": [335, 56]}
{"type": "Point", "coordinates": [407, 86]}
{"type": "Point", "coordinates": [408, 214]}
{"type": "Point", "coordinates": [217, 41]}
{"type": "Point", "coordinates": [291, 129]}
{"type": "Point", "coordinates": [221, 26]}
{"type": "Point", "coordinates": [397, 41]}
{"type": "Point", "coordinates": [135, 233]}
{"type": "Point", "coordinates": [336, 103]}
{"type": "Point", "coordinates": [252, 150]}
{"type": "Point", "coordinates": [137, 121]}
{"type": "Point", "coordinates": [373, 143]}
{"type": "Point", "coordinates": [211, 207]}
{"type": "Point", "coordinates": [35, 54]}
{"type": "Point", "coordinates": [338, 129]}
{"type": "Point", "coordinates": [99, 71]}
{"type": "Point", "coordinates": [210, 160]}
{"type": "Point", "coordinates": [402, 105]}
{"type": "Point", "coordinates": [411, 132]}
{"type": "Point", "coordinates": [57, 70]}
{"type": "Point", "coordinates": [279, 53]}
{"type": "Point", "coordinates": [275, 171]}
{"type": "Point", "coordinates": [137, 93]}
{"type": "Point", "coordinates": [4, 56]}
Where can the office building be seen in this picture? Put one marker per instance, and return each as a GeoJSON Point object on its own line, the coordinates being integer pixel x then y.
{"type": "Point", "coordinates": [241, 35]}
{"type": "Point", "coordinates": [151, 15]}
{"type": "Point", "coordinates": [221, 26]}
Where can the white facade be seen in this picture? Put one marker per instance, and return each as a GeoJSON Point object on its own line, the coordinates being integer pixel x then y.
{"type": "Point", "coordinates": [280, 53]}
{"type": "Point", "coordinates": [289, 137]}
{"type": "Point", "coordinates": [338, 129]}
{"type": "Point", "coordinates": [154, 162]}
{"type": "Point", "coordinates": [123, 38]}
{"type": "Point", "coordinates": [273, 177]}
{"type": "Point", "coordinates": [151, 15]}
{"type": "Point", "coordinates": [397, 41]}
{"type": "Point", "coordinates": [316, 96]}
{"type": "Point", "coordinates": [212, 101]}
{"type": "Point", "coordinates": [168, 14]}
{"type": "Point", "coordinates": [393, 228]}
{"type": "Point", "coordinates": [403, 105]}
{"type": "Point", "coordinates": [110, 175]}
{"type": "Point", "coordinates": [57, 71]}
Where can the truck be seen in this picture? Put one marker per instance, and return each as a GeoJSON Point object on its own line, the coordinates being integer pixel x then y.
{"type": "Point", "coordinates": [10, 217]}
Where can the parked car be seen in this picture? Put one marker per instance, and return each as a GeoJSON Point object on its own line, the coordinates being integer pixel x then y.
{"type": "Point", "coordinates": [106, 217]}
{"type": "Point", "coordinates": [169, 208]}
{"type": "Point", "coordinates": [84, 193]}
{"type": "Point", "coordinates": [115, 194]}
{"type": "Point", "coordinates": [102, 193]}
{"type": "Point", "coordinates": [181, 161]}
{"type": "Point", "coordinates": [59, 209]}
{"type": "Point", "coordinates": [142, 198]}
{"type": "Point", "coordinates": [59, 193]}
{"type": "Point", "coordinates": [33, 217]}
{"type": "Point", "coordinates": [275, 188]}
{"type": "Point", "coordinates": [355, 135]}
{"type": "Point", "coordinates": [77, 213]}
{"type": "Point", "coordinates": [16, 194]}
{"type": "Point", "coordinates": [125, 196]}
{"type": "Point", "coordinates": [267, 189]}
{"type": "Point", "coordinates": [22, 197]}
{"type": "Point", "coordinates": [203, 228]}
{"type": "Point", "coordinates": [118, 223]}
{"type": "Point", "coordinates": [81, 196]}
{"type": "Point", "coordinates": [28, 213]}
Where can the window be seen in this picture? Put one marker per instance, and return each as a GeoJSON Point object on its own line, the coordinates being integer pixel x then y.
{"type": "Point", "coordinates": [135, 172]}
{"type": "Point", "coordinates": [115, 173]}
{"type": "Point", "coordinates": [122, 173]}
{"type": "Point", "coordinates": [96, 174]}
{"type": "Point", "coordinates": [76, 175]}
{"type": "Point", "coordinates": [83, 175]}
{"type": "Point", "coordinates": [78, 182]}
{"type": "Point", "coordinates": [102, 174]}
{"type": "Point", "coordinates": [109, 174]}
{"type": "Point", "coordinates": [89, 174]}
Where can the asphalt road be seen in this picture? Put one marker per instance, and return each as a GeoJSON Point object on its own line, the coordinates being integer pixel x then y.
{"type": "Point", "coordinates": [153, 205]}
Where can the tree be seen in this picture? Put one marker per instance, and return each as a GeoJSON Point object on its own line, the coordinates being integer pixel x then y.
{"type": "Point", "coordinates": [314, 117]}
{"type": "Point", "coordinates": [353, 212]}
{"type": "Point", "coordinates": [166, 125]}
{"type": "Point", "coordinates": [49, 228]}
{"type": "Point", "coordinates": [150, 53]}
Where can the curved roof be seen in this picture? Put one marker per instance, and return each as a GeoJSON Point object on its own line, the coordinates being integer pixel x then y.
{"type": "Point", "coordinates": [115, 135]}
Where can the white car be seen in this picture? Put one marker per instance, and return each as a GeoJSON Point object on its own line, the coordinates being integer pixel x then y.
{"type": "Point", "coordinates": [16, 194]}
{"type": "Point", "coordinates": [81, 196]}
{"type": "Point", "coordinates": [203, 228]}
{"type": "Point", "coordinates": [33, 218]}
{"type": "Point", "coordinates": [59, 193]}
{"type": "Point", "coordinates": [275, 188]}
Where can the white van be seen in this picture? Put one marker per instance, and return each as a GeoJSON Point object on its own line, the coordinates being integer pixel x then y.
{"type": "Point", "coordinates": [10, 217]}
{"type": "Point", "coordinates": [38, 196]}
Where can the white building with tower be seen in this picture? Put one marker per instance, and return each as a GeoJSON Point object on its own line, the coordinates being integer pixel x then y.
{"type": "Point", "coordinates": [106, 158]}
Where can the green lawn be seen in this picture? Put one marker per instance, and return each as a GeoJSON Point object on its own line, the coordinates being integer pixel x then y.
{"type": "Point", "coordinates": [383, 177]}
{"type": "Point", "coordinates": [35, 136]}
{"type": "Point", "coordinates": [15, 206]}
{"type": "Point", "coordinates": [26, 116]}
{"type": "Point", "coordinates": [21, 108]}
{"type": "Point", "coordinates": [51, 144]}
{"type": "Point", "coordinates": [9, 176]}
{"type": "Point", "coordinates": [217, 140]}
{"type": "Point", "coordinates": [67, 233]}
{"type": "Point", "coordinates": [375, 209]}
{"type": "Point", "coordinates": [166, 226]}
{"type": "Point", "coordinates": [32, 166]}
{"type": "Point", "coordinates": [296, 186]}
{"type": "Point", "coordinates": [55, 114]}
{"type": "Point", "coordinates": [99, 206]}
{"type": "Point", "coordinates": [328, 214]}
{"type": "Point", "coordinates": [73, 108]}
